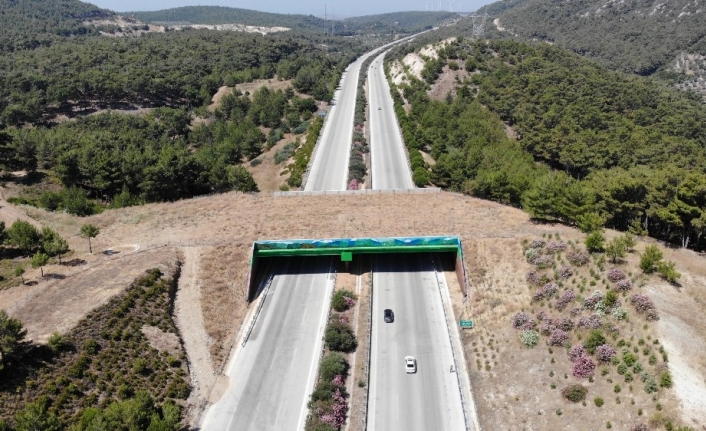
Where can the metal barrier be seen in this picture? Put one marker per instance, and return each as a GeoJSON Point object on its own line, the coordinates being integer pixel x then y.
{"type": "Point", "coordinates": [453, 354]}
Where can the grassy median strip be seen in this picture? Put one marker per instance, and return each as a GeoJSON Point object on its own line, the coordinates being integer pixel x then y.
{"type": "Point", "coordinates": [329, 402]}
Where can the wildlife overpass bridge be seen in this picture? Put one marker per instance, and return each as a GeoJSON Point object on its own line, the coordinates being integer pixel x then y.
{"type": "Point", "coordinates": [347, 248]}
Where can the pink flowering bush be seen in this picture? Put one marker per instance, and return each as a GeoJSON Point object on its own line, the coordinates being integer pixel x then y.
{"type": "Point", "coordinates": [651, 315]}
{"type": "Point", "coordinates": [583, 367]}
{"type": "Point", "coordinates": [639, 427]}
{"type": "Point", "coordinates": [590, 302]}
{"type": "Point", "coordinates": [590, 322]}
{"type": "Point", "coordinates": [543, 261]}
{"type": "Point", "coordinates": [538, 295]}
{"type": "Point", "coordinates": [555, 246]}
{"type": "Point", "coordinates": [575, 311]}
{"type": "Point", "coordinates": [565, 324]}
{"type": "Point", "coordinates": [624, 285]}
{"type": "Point", "coordinates": [550, 289]}
{"type": "Point", "coordinates": [534, 277]}
{"type": "Point", "coordinates": [642, 303]}
{"type": "Point", "coordinates": [542, 315]}
{"type": "Point", "coordinates": [558, 337]}
{"type": "Point", "coordinates": [578, 257]}
{"type": "Point", "coordinates": [565, 272]}
{"type": "Point", "coordinates": [605, 352]}
{"type": "Point", "coordinates": [616, 275]}
{"type": "Point", "coordinates": [537, 243]}
{"type": "Point", "coordinates": [336, 416]}
{"type": "Point", "coordinates": [576, 352]}
{"type": "Point", "coordinates": [547, 327]}
{"type": "Point", "coordinates": [564, 299]}
{"type": "Point", "coordinates": [353, 184]}
{"type": "Point", "coordinates": [522, 320]}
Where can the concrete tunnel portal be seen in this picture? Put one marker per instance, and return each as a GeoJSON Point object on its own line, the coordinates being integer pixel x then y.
{"type": "Point", "coordinates": [266, 252]}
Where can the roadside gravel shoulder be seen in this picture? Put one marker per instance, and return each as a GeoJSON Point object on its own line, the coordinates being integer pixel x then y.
{"type": "Point", "coordinates": [196, 342]}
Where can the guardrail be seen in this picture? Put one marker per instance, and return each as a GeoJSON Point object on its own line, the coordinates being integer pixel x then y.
{"type": "Point", "coordinates": [268, 280]}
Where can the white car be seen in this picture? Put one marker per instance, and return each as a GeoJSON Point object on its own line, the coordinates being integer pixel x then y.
{"type": "Point", "coordinates": [410, 364]}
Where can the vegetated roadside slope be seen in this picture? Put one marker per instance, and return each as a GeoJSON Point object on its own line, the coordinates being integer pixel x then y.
{"type": "Point", "coordinates": [631, 36]}
{"type": "Point", "coordinates": [614, 145]}
{"type": "Point", "coordinates": [29, 24]}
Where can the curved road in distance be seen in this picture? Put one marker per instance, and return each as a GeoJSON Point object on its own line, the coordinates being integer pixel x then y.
{"type": "Point", "coordinates": [273, 375]}
{"type": "Point", "coordinates": [388, 160]}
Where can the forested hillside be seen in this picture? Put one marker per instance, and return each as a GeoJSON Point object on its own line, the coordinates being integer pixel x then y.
{"type": "Point", "coordinates": [594, 146]}
{"type": "Point", "coordinates": [227, 15]}
{"type": "Point", "coordinates": [28, 24]}
{"type": "Point", "coordinates": [632, 36]}
{"type": "Point", "coordinates": [174, 69]}
{"type": "Point", "coordinates": [114, 159]}
{"type": "Point", "coordinates": [398, 22]}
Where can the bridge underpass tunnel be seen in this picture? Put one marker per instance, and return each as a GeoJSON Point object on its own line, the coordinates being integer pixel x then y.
{"type": "Point", "coordinates": [354, 256]}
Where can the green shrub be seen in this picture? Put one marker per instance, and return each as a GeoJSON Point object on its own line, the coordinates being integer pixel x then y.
{"type": "Point", "coordinates": [332, 365]}
{"type": "Point", "coordinates": [55, 342]}
{"type": "Point", "coordinates": [595, 241]}
{"type": "Point", "coordinates": [339, 301]}
{"type": "Point", "coordinates": [340, 337]}
{"type": "Point", "coordinates": [598, 401]}
{"type": "Point", "coordinates": [665, 380]}
{"type": "Point", "coordinates": [650, 259]}
{"type": "Point", "coordinates": [594, 339]}
{"type": "Point", "coordinates": [629, 359]}
{"type": "Point", "coordinates": [420, 177]}
{"type": "Point", "coordinates": [575, 393]}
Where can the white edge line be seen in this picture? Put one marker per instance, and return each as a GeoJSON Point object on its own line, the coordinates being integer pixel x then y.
{"type": "Point", "coordinates": [311, 381]}
{"type": "Point", "coordinates": [372, 380]}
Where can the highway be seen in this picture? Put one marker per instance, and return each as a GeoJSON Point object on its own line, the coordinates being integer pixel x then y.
{"type": "Point", "coordinates": [429, 399]}
{"type": "Point", "coordinates": [407, 284]}
{"type": "Point", "coordinates": [388, 159]}
{"type": "Point", "coordinates": [329, 169]}
{"type": "Point", "coordinates": [272, 377]}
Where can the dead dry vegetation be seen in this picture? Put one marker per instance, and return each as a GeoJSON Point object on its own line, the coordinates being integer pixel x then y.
{"type": "Point", "coordinates": [511, 389]}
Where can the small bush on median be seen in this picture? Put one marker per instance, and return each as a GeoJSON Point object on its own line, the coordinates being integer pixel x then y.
{"type": "Point", "coordinates": [340, 336]}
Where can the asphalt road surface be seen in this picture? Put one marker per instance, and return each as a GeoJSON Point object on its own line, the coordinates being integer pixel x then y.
{"type": "Point", "coordinates": [429, 399]}
{"type": "Point", "coordinates": [329, 169]}
{"type": "Point", "coordinates": [388, 160]}
{"type": "Point", "coordinates": [272, 377]}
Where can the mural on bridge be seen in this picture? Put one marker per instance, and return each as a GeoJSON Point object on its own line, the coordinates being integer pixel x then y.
{"type": "Point", "coordinates": [353, 243]}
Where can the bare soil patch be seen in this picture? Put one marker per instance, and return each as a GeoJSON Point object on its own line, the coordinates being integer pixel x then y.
{"type": "Point", "coordinates": [269, 175]}
{"type": "Point", "coordinates": [447, 83]}
{"type": "Point", "coordinates": [162, 341]}
{"type": "Point", "coordinates": [57, 303]}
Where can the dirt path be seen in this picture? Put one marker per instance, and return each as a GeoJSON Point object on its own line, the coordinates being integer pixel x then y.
{"type": "Point", "coordinates": [196, 341]}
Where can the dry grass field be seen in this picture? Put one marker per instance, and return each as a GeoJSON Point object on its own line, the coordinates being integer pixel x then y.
{"type": "Point", "coordinates": [212, 237]}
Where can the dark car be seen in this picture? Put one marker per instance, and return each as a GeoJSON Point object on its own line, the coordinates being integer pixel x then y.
{"type": "Point", "coordinates": [389, 316]}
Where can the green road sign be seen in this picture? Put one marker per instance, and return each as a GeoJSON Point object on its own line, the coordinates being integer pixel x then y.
{"type": "Point", "coordinates": [466, 323]}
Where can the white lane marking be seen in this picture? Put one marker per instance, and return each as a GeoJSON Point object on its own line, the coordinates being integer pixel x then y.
{"type": "Point", "coordinates": [294, 359]}
{"type": "Point", "coordinates": [274, 356]}
{"type": "Point", "coordinates": [317, 348]}
{"type": "Point", "coordinates": [279, 410]}
{"type": "Point", "coordinates": [372, 383]}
